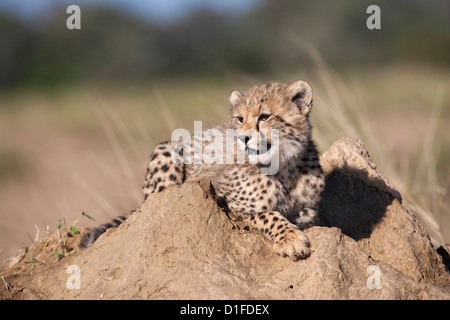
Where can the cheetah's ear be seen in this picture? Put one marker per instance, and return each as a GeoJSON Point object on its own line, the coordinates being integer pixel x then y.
{"type": "Point", "coordinates": [236, 98]}
{"type": "Point", "coordinates": [300, 93]}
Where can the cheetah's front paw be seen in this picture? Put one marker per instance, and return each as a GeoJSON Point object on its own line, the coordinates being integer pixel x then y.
{"type": "Point", "coordinates": [293, 244]}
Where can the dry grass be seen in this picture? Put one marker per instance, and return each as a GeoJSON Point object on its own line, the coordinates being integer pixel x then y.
{"type": "Point", "coordinates": [85, 148]}
{"type": "Point", "coordinates": [343, 111]}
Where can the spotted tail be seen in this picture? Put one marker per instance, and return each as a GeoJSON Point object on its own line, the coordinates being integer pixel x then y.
{"type": "Point", "coordinates": [89, 238]}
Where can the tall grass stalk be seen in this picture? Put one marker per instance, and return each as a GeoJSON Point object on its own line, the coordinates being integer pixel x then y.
{"type": "Point", "coordinates": [343, 112]}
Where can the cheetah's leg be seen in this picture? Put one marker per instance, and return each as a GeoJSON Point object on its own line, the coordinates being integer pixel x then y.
{"type": "Point", "coordinates": [287, 239]}
{"type": "Point", "coordinates": [162, 171]}
{"type": "Point", "coordinates": [308, 193]}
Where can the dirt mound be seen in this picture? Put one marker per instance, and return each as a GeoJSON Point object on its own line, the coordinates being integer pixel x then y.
{"type": "Point", "coordinates": [183, 246]}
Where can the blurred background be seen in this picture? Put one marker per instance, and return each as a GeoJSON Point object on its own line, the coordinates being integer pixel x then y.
{"type": "Point", "coordinates": [81, 110]}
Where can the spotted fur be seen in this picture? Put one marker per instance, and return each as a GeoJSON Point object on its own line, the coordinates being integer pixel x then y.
{"type": "Point", "coordinates": [281, 205]}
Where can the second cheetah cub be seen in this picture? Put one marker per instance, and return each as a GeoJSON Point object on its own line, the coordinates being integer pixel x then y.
{"type": "Point", "coordinates": [281, 204]}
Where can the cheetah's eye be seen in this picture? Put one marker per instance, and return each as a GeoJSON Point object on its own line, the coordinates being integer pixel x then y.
{"type": "Point", "coordinates": [240, 119]}
{"type": "Point", "coordinates": [264, 117]}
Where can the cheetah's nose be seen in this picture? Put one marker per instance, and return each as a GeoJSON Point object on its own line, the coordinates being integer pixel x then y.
{"type": "Point", "coordinates": [244, 138]}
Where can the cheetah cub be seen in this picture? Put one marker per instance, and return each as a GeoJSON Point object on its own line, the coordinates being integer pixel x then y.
{"type": "Point", "coordinates": [280, 204]}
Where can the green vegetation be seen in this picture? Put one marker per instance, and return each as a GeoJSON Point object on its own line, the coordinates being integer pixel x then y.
{"type": "Point", "coordinates": [63, 232]}
{"type": "Point", "coordinates": [115, 47]}
{"type": "Point", "coordinates": [80, 111]}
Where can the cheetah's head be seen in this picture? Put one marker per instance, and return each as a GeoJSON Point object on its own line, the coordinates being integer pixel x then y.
{"type": "Point", "coordinates": [271, 106]}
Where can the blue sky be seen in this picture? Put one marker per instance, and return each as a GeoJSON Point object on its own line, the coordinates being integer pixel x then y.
{"type": "Point", "coordinates": [156, 10]}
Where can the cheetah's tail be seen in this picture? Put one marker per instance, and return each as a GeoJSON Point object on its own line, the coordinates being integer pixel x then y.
{"type": "Point", "coordinates": [89, 238]}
